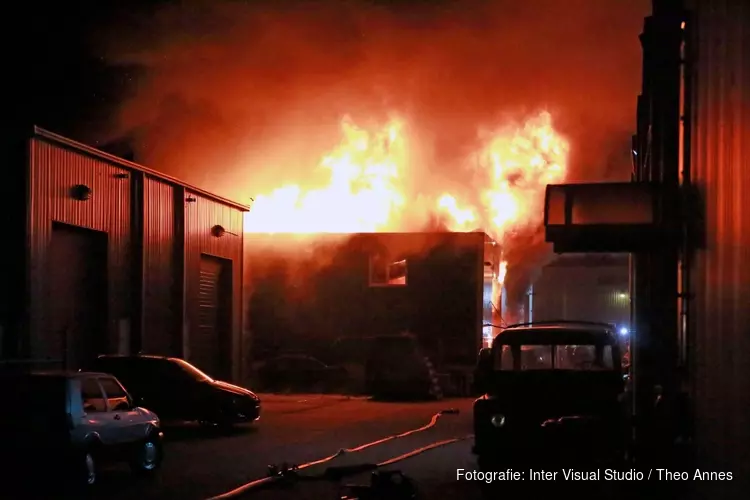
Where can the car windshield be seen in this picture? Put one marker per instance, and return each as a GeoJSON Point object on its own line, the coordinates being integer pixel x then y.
{"type": "Point", "coordinates": [192, 371]}
{"type": "Point", "coordinates": [555, 357]}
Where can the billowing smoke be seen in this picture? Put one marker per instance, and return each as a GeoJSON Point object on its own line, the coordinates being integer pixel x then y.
{"type": "Point", "coordinates": [230, 90]}
{"type": "Point", "coordinates": [241, 97]}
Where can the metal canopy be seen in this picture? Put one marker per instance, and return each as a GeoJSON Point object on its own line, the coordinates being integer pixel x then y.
{"type": "Point", "coordinates": [603, 217]}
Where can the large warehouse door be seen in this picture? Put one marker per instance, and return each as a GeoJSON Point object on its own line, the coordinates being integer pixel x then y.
{"type": "Point", "coordinates": [210, 344]}
{"type": "Point", "coordinates": [78, 293]}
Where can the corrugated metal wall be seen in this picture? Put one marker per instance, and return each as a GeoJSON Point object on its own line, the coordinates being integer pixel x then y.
{"type": "Point", "coordinates": [54, 170]}
{"type": "Point", "coordinates": [589, 290]}
{"type": "Point", "coordinates": [201, 214]}
{"type": "Point", "coordinates": [720, 312]}
{"type": "Point", "coordinates": [161, 310]}
{"type": "Point", "coordinates": [129, 205]}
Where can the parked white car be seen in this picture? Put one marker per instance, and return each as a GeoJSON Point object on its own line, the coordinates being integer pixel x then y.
{"type": "Point", "coordinates": [64, 425]}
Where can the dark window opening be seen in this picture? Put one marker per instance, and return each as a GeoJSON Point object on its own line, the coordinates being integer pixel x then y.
{"type": "Point", "coordinates": [387, 272]}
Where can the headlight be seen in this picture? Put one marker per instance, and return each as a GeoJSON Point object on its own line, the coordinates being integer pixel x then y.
{"type": "Point", "coordinates": [498, 420]}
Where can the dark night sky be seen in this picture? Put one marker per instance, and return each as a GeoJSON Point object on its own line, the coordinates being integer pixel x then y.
{"type": "Point", "coordinates": [70, 84]}
{"type": "Point", "coordinates": [71, 89]}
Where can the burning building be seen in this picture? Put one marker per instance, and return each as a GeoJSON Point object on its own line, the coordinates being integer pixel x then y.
{"type": "Point", "coordinates": [365, 255]}
{"type": "Point", "coordinates": [112, 257]}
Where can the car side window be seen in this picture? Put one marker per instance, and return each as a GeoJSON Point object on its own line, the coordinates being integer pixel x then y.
{"type": "Point", "coordinates": [173, 373]}
{"type": "Point", "coordinates": [92, 396]}
{"type": "Point", "coordinates": [117, 398]}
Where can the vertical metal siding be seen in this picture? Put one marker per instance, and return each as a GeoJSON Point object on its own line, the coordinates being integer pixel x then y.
{"type": "Point", "coordinates": [53, 170]}
{"type": "Point", "coordinates": [201, 214]}
{"type": "Point", "coordinates": [720, 322]}
{"type": "Point", "coordinates": [578, 293]}
{"type": "Point", "coordinates": [159, 267]}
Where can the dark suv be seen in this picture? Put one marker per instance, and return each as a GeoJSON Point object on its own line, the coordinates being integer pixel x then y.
{"type": "Point", "coordinates": [551, 391]}
{"type": "Point", "coordinates": [178, 391]}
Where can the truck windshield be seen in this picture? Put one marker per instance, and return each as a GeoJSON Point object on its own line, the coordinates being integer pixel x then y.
{"type": "Point", "coordinates": [555, 357]}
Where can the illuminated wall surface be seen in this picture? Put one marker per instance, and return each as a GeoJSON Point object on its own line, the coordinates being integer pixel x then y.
{"type": "Point", "coordinates": [583, 287]}
{"type": "Point", "coordinates": [719, 316]}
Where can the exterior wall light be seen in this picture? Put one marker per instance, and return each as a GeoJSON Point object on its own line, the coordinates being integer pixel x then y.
{"type": "Point", "coordinates": [218, 231]}
{"type": "Point", "coordinates": [80, 192]}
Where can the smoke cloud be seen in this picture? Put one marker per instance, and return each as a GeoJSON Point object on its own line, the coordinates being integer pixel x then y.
{"type": "Point", "coordinates": [242, 97]}
{"type": "Point", "coordinates": [231, 91]}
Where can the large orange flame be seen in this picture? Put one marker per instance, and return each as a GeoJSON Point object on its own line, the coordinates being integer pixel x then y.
{"type": "Point", "coordinates": [364, 193]}
{"type": "Point", "coordinates": [366, 189]}
{"type": "Point", "coordinates": [516, 164]}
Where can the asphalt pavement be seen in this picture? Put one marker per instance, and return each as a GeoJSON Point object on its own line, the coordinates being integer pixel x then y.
{"type": "Point", "coordinates": [297, 429]}
{"type": "Point", "coordinates": [294, 429]}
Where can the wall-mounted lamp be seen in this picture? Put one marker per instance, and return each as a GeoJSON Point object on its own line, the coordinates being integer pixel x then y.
{"type": "Point", "coordinates": [80, 192]}
{"type": "Point", "coordinates": [219, 231]}
{"type": "Point", "coordinates": [191, 199]}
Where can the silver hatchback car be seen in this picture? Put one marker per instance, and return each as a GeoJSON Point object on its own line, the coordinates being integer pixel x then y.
{"type": "Point", "coordinates": [65, 424]}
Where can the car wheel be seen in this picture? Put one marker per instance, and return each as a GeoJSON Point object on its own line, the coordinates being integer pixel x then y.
{"type": "Point", "coordinates": [85, 474]}
{"type": "Point", "coordinates": [90, 469]}
{"type": "Point", "coordinates": [148, 457]}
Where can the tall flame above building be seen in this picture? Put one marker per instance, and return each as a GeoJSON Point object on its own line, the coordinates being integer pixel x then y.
{"type": "Point", "coordinates": [366, 188]}
{"type": "Point", "coordinates": [364, 192]}
{"type": "Point", "coordinates": [514, 166]}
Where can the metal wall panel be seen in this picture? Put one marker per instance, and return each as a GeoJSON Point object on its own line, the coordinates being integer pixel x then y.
{"type": "Point", "coordinates": [54, 170]}
{"type": "Point", "coordinates": [201, 214]}
{"type": "Point", "coordinates": [589, 289]}
{"type": "Point", "coordinates": [719, 336]}
{"type": "Point", "coordinates": [160, 309]}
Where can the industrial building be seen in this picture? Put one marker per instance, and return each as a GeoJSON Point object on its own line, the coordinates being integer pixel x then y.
{"type": "Point", "coordinates": [437, 285]}
{"type": "Point", "coordinates": [107, 256]}
{"type": "Point", "coordinates": [683, 219]}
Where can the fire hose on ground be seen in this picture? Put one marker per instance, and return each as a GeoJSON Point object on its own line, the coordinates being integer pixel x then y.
{"type": "Point", "coordinates": [290, 473]}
